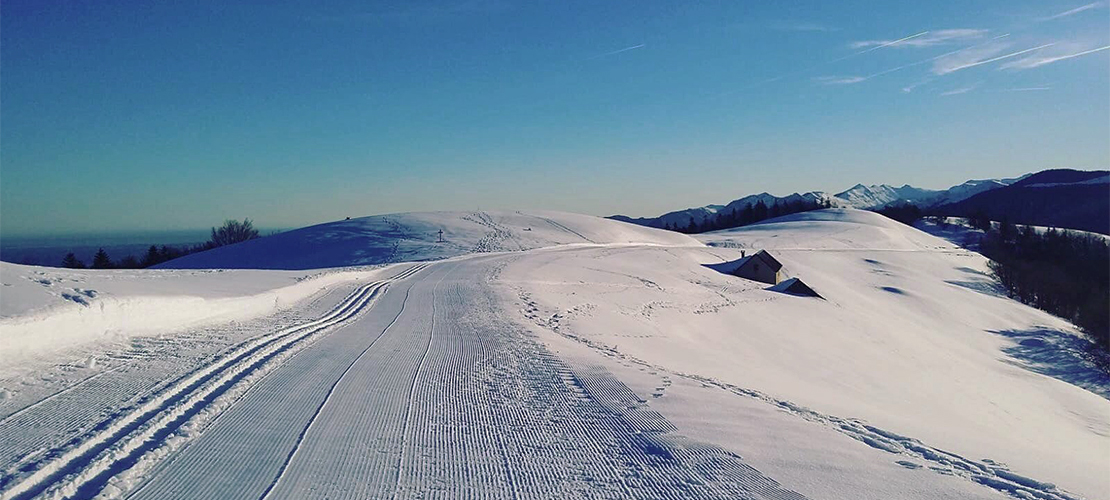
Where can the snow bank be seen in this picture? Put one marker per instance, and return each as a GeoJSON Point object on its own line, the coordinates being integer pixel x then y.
{"type": "Point", "coordinates": [415, 236]}
{"type": "Point", "coordinates": [43, 310]}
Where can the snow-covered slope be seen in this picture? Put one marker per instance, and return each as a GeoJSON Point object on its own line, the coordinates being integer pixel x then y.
{"type": "Point", "coordinates": [911, 351]}
{"type": "Point", "coordinates": [415, 236]}
{"type": "Point", "coordinates": [43, 309]}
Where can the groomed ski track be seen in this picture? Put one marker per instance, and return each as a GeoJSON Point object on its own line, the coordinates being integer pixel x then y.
{"type": "Point", "coordinates": [411, 387]}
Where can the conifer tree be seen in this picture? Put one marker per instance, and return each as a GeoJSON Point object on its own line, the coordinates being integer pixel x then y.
{"type": "Point", "coordinates": [72, 262]}
{"type": "Point", "coordinates": [101, 260]}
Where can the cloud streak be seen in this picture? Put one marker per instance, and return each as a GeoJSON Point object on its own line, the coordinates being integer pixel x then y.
{"type": "Point", "coordinates": [973, 58]}
{"type": "Point", "coordinates": [878, 44]}
{"type": "Point", "coordinates": [839, 80]}
{"type": "Point", "coordinates": [961, 90]}
{"type": "Point", "coordinates": [925, 39]}
{"type": "Point", "coordinates": [1037, 61]}
{"type": "Point", "coordinates": [1025, 89]}
{"type": "Point", "coordinates": [1074, 11]}
{"type": "Point", "coordinates": [615, 52]}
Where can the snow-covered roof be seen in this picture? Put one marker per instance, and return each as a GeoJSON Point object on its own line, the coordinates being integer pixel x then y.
{"type": "Point", "coordinates": [763, 257]}
{"type": "Point", "coordinates": [794, 286]}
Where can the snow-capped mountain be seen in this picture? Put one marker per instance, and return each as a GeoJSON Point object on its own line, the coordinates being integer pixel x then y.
{"type": "Point", "coordinates": [770, 199]}
{"type": "Point", "coordinates": [861, 196]}
{"type": "Point", "coordinates": [882, 195]}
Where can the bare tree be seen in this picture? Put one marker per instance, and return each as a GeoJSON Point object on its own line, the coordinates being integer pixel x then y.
{"type": "Point", "coordinates": [233, 232]}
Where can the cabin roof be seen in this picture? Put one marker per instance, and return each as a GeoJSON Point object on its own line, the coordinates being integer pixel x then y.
{"type": "Point", "coordinates": [764, 257]}
{"type": "Point", "coordinates": [795, 286]}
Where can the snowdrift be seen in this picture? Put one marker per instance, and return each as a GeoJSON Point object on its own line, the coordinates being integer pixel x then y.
{"type": "Point", "coordinates": [47, 309]}
{"type": "Point", "coordinates": [408, 237]}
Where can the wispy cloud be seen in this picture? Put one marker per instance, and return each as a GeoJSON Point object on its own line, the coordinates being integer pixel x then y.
{"type": "Point", "coordinates": [802, 26]}
{"type": "Point", "coordinates": [1025, 89]}
{"type": "Point", "coordinates": [1074, 11]}
{"type": "Point", "coordinates": [909, 88]}
{"type": "Point", "coordinates": [878, 44]}
{"type": "Point", "coordinates": [1041, 60]}
{"type": "Point", "coordinates": [931, 59]}
{"type": "Point", "coordinates": [977, 56]}
{"type": "Point", "coordinates": [926, 39]}
{"type": "Point", "coordinates": [961, 90]}
{"type": "Point", "coordinates": [839, 80]}
{"type": "Point", "coordinates": [615, 52]}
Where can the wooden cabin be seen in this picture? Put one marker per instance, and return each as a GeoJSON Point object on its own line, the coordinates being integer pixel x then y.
{"type": "Point", "coordinates": [759, 266]}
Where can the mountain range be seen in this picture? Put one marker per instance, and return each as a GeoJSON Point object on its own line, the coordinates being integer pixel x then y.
{"type": "Point", "coordinates": [1069, 199]}
{"type": "Point", "coordinates": [1065, 198]}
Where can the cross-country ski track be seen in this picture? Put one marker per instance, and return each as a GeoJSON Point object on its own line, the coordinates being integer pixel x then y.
{"type": "Point", "coordinates": [409, 387]}
{"type": "Point", "coordinates": [582, 370]}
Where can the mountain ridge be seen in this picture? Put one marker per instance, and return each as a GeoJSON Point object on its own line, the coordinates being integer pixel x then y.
{"type": "Point", "coordinates": [868, 197]}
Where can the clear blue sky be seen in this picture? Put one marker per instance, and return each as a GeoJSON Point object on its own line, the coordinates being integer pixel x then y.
{"type": "Point", "coordinates": [168, 115]}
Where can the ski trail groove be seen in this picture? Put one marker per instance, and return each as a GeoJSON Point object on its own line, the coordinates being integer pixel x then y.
{"type": "Point", "coordinates": [60, 392]}
{"type": "Point", "coordinates": [327, 398]}
{"type": "Point", "coordinates": [118, 445]}
{"type": "Point", "coordinates": [412, 388]}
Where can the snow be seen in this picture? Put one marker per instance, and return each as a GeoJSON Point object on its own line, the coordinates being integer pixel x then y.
{"type": "Point", "coordinates": [959, 231]}
{"type": "Point", "coordinates": [43, 310]}
{"type": "Point", "coordinates": [414, 236]}
{"type": "Point", "coordinates": [46, 309]}
{"type": "Point", "coordinates": [547, 355]}
{"type": "Point", "coordinates": [911, 339]}
{"type": "Point", "coordinates": [881, 195]}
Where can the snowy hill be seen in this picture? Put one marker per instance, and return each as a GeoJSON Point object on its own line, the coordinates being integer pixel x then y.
{"type": "Point", "coordinates": [608, 361]}
{"type": "Point", "coordinates": [48, 308]}
{"type": "Point", "coordinates": [912, 340]}
{"type": "Point", "coordinates": [415, 236]}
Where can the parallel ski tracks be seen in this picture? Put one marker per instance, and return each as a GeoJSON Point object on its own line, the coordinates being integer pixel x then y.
{"type": "Point", "coordinates": [86, 463]}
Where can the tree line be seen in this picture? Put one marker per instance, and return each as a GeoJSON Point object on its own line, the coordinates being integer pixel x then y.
{"type": "Point", "coordinates": [231, 232]}
{"type": "Point", "coordinates": [750, 214]}
{"type": "Point", "coordinates": [1063, 273]}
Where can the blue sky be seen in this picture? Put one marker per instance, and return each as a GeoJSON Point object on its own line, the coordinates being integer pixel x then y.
{"type": "Point", "coordinates": [169, 115]}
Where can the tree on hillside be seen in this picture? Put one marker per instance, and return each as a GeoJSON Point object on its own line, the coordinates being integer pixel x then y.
{"type": "Point", "coordinates": [233, 232]}
{"type": "Point", "coordinates": [759, 212]}
{"type": "Point", "coordinates": [129, 262]}
{"type": "Point", "coordinates": [101, 260]}
{"type": "Point", "coordinates": [152, 257]}
{"type": "Point", "coordinates": [72, 262]}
